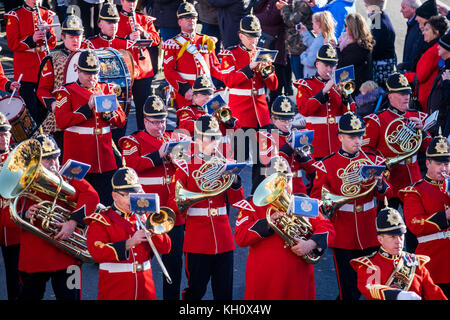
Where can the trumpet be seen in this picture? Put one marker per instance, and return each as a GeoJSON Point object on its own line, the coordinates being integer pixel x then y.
{"type": "Point", "coordinates": [265, 68]}
{"type": "Point", "coordinates": [223, 114]}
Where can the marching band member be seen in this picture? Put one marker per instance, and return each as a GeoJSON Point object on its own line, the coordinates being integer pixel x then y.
{"type": "Point", "coordinates": [188, 55]}
{"type": "Point", "coordinates": [120, 248]}
{"type": "Point", "coordinates": [6, 84]}
{"type": "Point", "coordinates": [208, 243]}
{"type": "Point", "coordinates": [391, 273]}
{"type": "Point", "coordinates": [276, 140]}
{"type": "Point", "coordinates": [202, 92]}
{"type": "Point", "coordinates": [381, 138]}
{"type": "Point", "coordinates": [354, 222]}
{"type": "Point", "coordinates": [427, 213]}
{"type": "Point", "coordinates": [30, 41]}
{"type": "Point", "coordinates": [51, 73]}
{"type": "Point", "coordinates": [87, 133]}
{"type": "Point", "coordinates": [144, 151]}
{"type": "Point", "coordinates": [137, 26]}
{"type": "Point", "coordinates": [41, 260]}
{"type": "Point", "coordinates": [267, 253]}
{"type": "Point", "coordinates": [9, 231]}
{"type": "Point", "coordinates": [319, 99]}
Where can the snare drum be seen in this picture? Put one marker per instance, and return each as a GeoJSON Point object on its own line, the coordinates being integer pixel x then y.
{"type": "Point", "coordinates": [115, 68]}
{"type": "Point", "coordinates": [22, 124]}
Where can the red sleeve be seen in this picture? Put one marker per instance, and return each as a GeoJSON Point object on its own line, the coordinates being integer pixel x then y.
{"type": "Point", "coordinates": [430, 291]}
{"type": "Point", "coordinates": [65, 115]}
{"type": "Point", "coordinates": [182, 177]}
{"type": "Point", "coordinates": [230, 76]}
{"type": "Point", "coordinates": [131, 151]}
{"type": "Point", "coordinates": [3, 79]}
{"type": "Point", "coordinates": [306, 103]}
{"type": "Point", "coordinates": [323, 231]}
{"type": "Point", "coordinates": [98, 243]}
{"type": "Point", "coordinates": [243, 233]}
{"type": "Point", "coordinates": [370, 138]}
{"type": "Point", "coordinates": [46, 83]}
{"type": "Point", "coordinates": [170, 64]}
{"type": "Point", "coordinates": [319, 181]}
{"type": "Point", "coordinates": [162, 243]}
{"type": "Point", "coordinates": [186, 120]}
{"type": "Point", "coordinates": [271, 82]}
{"type": "Point", "coordinates": [16, 41]}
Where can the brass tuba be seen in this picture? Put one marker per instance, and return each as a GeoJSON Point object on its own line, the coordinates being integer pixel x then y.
{"type": "Point", "coordinates": [209, 179]}
{"type": "Point", "coordinates": [272, 191]}
{"type": "Point", "coordinates": [23, 176]}
{"type": "Point", "coordinates": [403, 139]}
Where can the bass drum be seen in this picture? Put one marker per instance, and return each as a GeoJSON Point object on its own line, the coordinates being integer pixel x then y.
{"type": "Point", "coordinates": [116, 67]}
{"type": "Point", "coordinates": [22, 124]}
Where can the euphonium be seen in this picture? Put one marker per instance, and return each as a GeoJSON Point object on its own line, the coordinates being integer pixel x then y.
{"type": "Point", "coordinates": [403, 140]}
{"type": "Point", "coordinates": [24, 176]}
{"type": "Point", "coordinates": [209, 179]}
{"type": "Point", "coordinates": [290, 227]}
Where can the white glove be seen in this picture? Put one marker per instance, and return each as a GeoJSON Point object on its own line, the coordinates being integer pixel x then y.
{"type": "Point", "coordinates": [408, 295]}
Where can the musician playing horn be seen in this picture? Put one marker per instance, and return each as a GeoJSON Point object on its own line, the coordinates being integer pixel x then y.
{"type": "Point", "coordinates": [120, 248]}
{"type": "Point", "coordinates": [391, 273]}
{"type": "Point", "coordinates": [426, 206]}
{"type": "Point", "coordinates": [264, 280]}
{"type": "Point", "coordinates": [41, 260]}
{"type": "Point", "coordinates": [385, 126]}
{"type": "Point", "coordinates": [52, 76]}
{"type": "Point", "coordinates": [87, 133]}
{"type": "Point", "coordinates": [29, 39]}
{"type": "Point", "coordinates": [354, 221]}
{"type": "Point", "coordinates": [208, 242]}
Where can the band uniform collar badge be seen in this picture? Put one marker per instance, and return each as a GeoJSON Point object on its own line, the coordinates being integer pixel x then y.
{"type": "Point", "coordinates": [285, 106]}
{"type": "Point", "coordinates": [441, 146]}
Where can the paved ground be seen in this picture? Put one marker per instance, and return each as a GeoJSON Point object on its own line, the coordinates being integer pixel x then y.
{"type": "Point", "coordinates": [326, 285]}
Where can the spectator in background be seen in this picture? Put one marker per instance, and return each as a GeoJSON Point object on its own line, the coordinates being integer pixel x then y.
{"type": "Point", "coordinates": [355, 48]}
{"type": "Point", "coordinates": [338, 9]}
{"type": "Point", "coordinates": [384, 58]}
{"type": "Point", "coordinates": [427, 66]}
{"type": "Point", "coordinates": [414, 42]}
{"type": "Point", "coordinates": [207, 16]}
{"type": "Point", "coordinates": [273, 25]}
{"type": "Point", "coordinates": [323, 27]}
{"type": "Point", "coordinates": [90, 10]}
{"type": "Point", "coordinates": [229, 14]}
{"type": "Point", "coordinates": [165, 12]}
{"type": "Point", "coordinates": [427, 10]}
{"type": "Point", "coordinates": [369, 99]}
{"type": "Point", "coordinates": [296, 12]}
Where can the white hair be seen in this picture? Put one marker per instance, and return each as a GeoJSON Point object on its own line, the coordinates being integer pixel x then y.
{"type": "Point", "coordinates": [414, 3]}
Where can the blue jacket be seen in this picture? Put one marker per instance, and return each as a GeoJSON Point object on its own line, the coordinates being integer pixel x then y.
{"type": "Point", "coordinates": [413, 46]}
{"type": "Point", "coordinates": [339, 10]}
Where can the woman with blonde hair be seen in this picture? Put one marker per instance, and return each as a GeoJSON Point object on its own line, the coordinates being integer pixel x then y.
{"type": "Point", "coordinates": [323, 25]}
{"type": "Point", "coordinates": [355, 48]}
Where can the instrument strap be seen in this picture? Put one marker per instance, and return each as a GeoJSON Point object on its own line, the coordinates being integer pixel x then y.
{"type": "Point", "coordinates": [403, 273]}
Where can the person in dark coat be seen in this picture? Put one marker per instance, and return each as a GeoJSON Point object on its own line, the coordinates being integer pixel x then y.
{"type": "Point", "coordinates": [414, 42]}
{"type": "Point", "coordinates": [165, 12]}
{"type": "Point", "coordinates": [355, 48]}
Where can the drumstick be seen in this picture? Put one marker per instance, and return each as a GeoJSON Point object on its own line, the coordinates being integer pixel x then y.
{"type": "Point", "coordinates": [14, 91]}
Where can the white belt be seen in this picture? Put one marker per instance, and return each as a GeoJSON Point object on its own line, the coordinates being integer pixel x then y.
{"type": "Point", "coordinates": [124, 267]}
{"type": "Point", "coordinates": [84, 130]}
{"type": "Point", "coordinates": [434, 236]}
{"type": "Point", "coordinates": [322, 120]}
{"type": "Point", "coordinates": [198, 212]}
{"type": "Point", "coordinates": [247, 92]}
{"type": "Point", "coordinates": [188, 76]}
{"type": "Point", "coordinates": [409, 160]}
{"type": "Point", "coordinates": [359, 208]}
{"type": "Point", "coordinates": [154, 180]}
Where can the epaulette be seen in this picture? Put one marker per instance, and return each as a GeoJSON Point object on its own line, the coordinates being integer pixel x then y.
{"type": "Point", "coordinates": [303, 83]}
{"type": "Point", "coordinates": [98, 216]}
{"type": "Point", "coordinates": [319, 165]}
{"type": "Point", "coordinates": [123, 142]}
{"type": "Point", "coordinates": [365, 261]}
{"type": "Point", "coordinates": [422, 259]}
{"type": "Point", "coordinates": [244, 205]}
{"type": "Point", "coordinates": [226, 52]}
{"type": "Point", "coordinates": [170, 44]}
{"type": "Point", "coordinates": [13, 13]}
{"type": "Point", "coordinates": [62, 88]}
{"type": "Point", "coordinates": [185, 109]}
{"type": "Point", "coordinates": [182, 164]}
{"type": "Point", "coordinates": [373, 117]}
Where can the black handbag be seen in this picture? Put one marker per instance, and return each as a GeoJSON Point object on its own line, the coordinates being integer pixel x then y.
{"type": "Point", "coordinates": [266, 41]}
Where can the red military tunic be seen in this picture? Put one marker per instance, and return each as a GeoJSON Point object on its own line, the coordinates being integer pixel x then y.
{"type": "Point", "coordinates": [424, 205]}
{"type": "Point", "coordinates": [407, 171]}
{"type": "Point", "coordinates": [207, 228]}
{"type": "Point", "coordinates": [273, 142]}
{"type": "Point", "coordinates": [247, 98]}
{"type": "Point", "coordinates": [87, 136]}
{"type": "Point", "coordinates": [39, 255]}
{"type": "Point", "coordinates": [322, 113]}
{"type": "Point", "coordinates": [374, 271]}
{"type": "Point", "coordinates": [108, 230]}
{"type": "Point", "coordinates": [20, 27]}
{"type": "Point", "coordinates": [141, 152]}
{"type": "Point", "coordinates": [274, 272]}
{"type": "Point", "coordinates": [9, 231]}
{"type": "Point", "coordinates": [144, 67]}
{"type": "Point", "coordinates": [354, 222]}
{"type": "Point", "coordinates": [4, 82]}
{"type": "Point", "coordinates": [183, 63]}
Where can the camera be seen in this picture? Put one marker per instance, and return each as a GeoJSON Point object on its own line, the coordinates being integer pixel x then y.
{"type": "Point", "coordinates": [298, 26]}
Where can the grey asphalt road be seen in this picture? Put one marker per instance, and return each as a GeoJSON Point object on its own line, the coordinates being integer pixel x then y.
{"type": "Point", "coordinates": [326, 284]}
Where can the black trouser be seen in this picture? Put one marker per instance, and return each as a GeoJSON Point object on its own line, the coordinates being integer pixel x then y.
{"type": "Point", "coordinates": [173, 261]}
{"type": "Point", "coordinates": [200, 268]}
{"type": "Point", "coordinates": [88, 11]}
{"type": "Point", "coordinates": [27, 92]}
{"type": "Point", "coordinates": [11, 259]}
{"type": "Point", "coordinates": [142, 88]}
{"type": "Point", "coordinates": [102, 184]}
{"type": "Point", "coordinates": [34, 285]}
{"type": "Point", "coordinates": [410, 239]}
{"type": "Point", "coordinates": [346, 276]}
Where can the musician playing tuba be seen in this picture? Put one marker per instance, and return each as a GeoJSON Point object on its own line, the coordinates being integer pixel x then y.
{"type": "Point", "coordinates": [339, 178]}
{"type": "Point", "coordinates": [275, 272]}
{"type": "Point", "coordinates": [39, 259]}
{"type": "Point", "coordinates": [200, 189]}
{"type": "Point", "coordinates": [120, 247]}
{"type": "Point", "coordinates": [396, 134]}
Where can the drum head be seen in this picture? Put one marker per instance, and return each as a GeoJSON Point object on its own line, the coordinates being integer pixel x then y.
{"type": "Point", "coordinates": [70, 70]}
{"type": "Point", "coordinates": [11, 107]}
